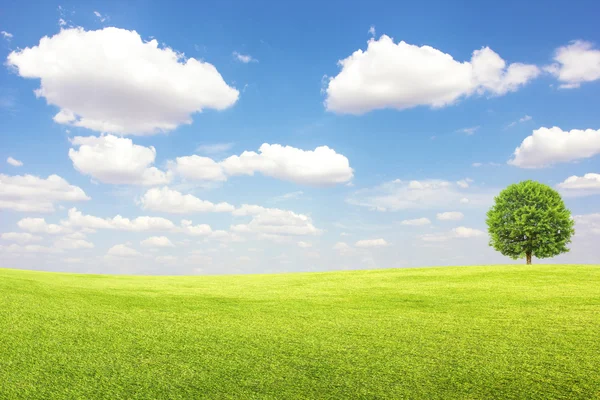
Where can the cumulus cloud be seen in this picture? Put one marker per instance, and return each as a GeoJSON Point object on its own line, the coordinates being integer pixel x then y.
{"type": "Point", "coordinates": [121, 250]}
{"type": "Point", "coordinates": [20, 237]}
{"type": "Point", "coordinates": [111, 80]}
{"type": "Point", "coordinates": [450, 216]}
{"type": "Point", "coordinates": [115, 160]}
{"type": "Point", "coordinates": [197, 168]}
{"type": "Point", "coordinates": [157, 241]}
{"type": "Point", "coordinates": [416, 222]}
{"type": "Point", "coordinates": [171, 201]}
{"type": "Point", "coordinates": [195, 230]}
{"type": "Point", "coordinates": [401, 76]}
{"type": "Point", "coordinates": [457, 233]}
{"type": "Point", "coordinates": [274, 221]}
{"type": "Point", "coordinates": [39, 225]}
{"type": "Point", "coordinates": [576, 63]}
{"type": "Point", "coordinates": [140, 224]}
{"type": "Point", "coordinates": [14, 162]}
{"type": "Point", "coordinates": [368, 243]}
{"type": "Point", "coordinates": [319, 167]}
{"type": "Point", "coordinates": [581, 185]}
{"type": "Point", "coordinates": [322, 166]}
{"type": "Point", "coordinates": [426, 194]}
{"type": "Point", "coordinates": [72, 244]}
{"type": "Point", "coordinates": [342, 247]}
{"type": "Point", "coordinates": [30, 193]}
{"type": "Point", "coordinates": [547, 146]}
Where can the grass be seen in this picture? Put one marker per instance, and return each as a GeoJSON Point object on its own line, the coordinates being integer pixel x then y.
{"type": "Point", "coordinates": [515, 332]}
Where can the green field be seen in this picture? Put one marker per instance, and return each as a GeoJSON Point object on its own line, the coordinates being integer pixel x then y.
{"type": "Point", "coordinates": [519, 332]}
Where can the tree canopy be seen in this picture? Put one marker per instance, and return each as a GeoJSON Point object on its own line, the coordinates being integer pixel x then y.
{"type": "Point", "coordinates": [529, 219]}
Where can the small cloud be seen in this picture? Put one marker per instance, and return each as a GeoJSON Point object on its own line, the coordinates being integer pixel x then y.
{"type": "Point", "coordinates": [476, 164]}
{"type": "Point", "coordinates": [469, 131]}
{"type": "Point", "coordinates": [245, 58]}
{"type": "Point", "coordinates": [14, 162]}
{"type": "Point", "coordinates": [215, 148]}
{"type": "Point", "coordinates": [372, 30]}
{"type": "Point", "coordinates": [304, 245]}
{"type": "Point", "coordinates": [371, 243]}
{"type": "Point", "coordinates": [101, 17]}
{"type": "Point", "coordinates": [6, 35]}
{"type": "Point", "coordinates": [416, 222]}
{"type": "Point", "coordinates": [520, 121]}
{"type": "Point", "coordinates": [288, 196]}
{"type": "Point", "coordinates": [61, 22]}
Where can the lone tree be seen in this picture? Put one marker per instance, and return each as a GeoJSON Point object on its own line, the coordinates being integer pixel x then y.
{"type": "Point", "coordinates": [529, 218]}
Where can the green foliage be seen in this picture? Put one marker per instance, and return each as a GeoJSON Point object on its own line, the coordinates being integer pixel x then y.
{"type": "Point", "coordinates": [529, 218]}
{"type": "Point", "coordinates": [502, 332]}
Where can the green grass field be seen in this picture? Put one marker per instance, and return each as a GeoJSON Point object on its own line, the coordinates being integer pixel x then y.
{"type": "Point", "coordinates": [518, 332]}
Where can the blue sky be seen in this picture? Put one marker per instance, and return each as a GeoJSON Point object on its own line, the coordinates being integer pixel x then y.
{"type": "Point", "coordinates": [411, 132]}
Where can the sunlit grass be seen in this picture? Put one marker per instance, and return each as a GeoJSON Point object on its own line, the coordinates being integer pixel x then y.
{"type": "Point", "coordinates": [520, 332]}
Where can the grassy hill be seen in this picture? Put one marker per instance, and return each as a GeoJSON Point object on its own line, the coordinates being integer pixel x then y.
{"type": "Point", "coordinates": [520, 332]}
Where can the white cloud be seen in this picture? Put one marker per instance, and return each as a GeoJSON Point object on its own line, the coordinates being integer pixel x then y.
{"type": "Point", "coordinates": [342, 247]}
{"type": "Point", "coordinates": [157, 241]}
{"type": "Point", "coordinates": [322, 166]}
{"type": "Point", "coordinates": [587, 224]}
{"type": "Point", "coordinates": [581, 185]}
{"type": "Point", "coordinates": [304, 245]}
{"type": "Point", "coordinates": [139, 224]}
{"type": "Point", "coordinates": [368, 243]}
{"type": "Point", "coordinates": [100, 16]}
{"type": "Point", "coordinates": [547, 146]}
{"type": "Point", "coordinates": [30, 248]}
{"type": "Point", "coordinates": [62, 22]}
{"type": "Point", "coordinates": [195, 230]}
{"type": "Point", "coordinates": [244, 58]}
{"type": "Point", "coordinates": [575, 64]}
{"type": "Point", "coordinates": [71, 244]}
{"type": "Point", "coordinates": [30, 193]}
{"type": "Point", "coordinates": [121, 250]}
{"type": "Point", "coordinates": [20, 237]}
{"type": "Point", "coordinates": [274, 221]}
{"type": "Point", "coordinates": [243, 259]}
{"type": "Point", "coordinates": [400, 76]}
{"type": "Point", "coordinates": [115, 160]}
{"type": "Point", "coordinates": [319, 167]}
{"type": "Point", "coordinates": [14, 162]}
{"type": "Point", "coordinates": [111, 80]}
{"type": "Point", "coordinates": [476, 164]}
{"type": "Point", "coordinates": [171, 201]}
{"type": "Point", "coordinates": [464, 183]}
{"type": "Point", "coordinates": [197, 168]}
{"type": "Point", "coordinates": [520, 121]}
{"type": "Point", "coordinates": [215, 148]}
{"type": "Point", "coordinates": [39, 225]}
{"type": "Point", "coordinates": [431, 193]}
{"type": "Point", "coordinates": [288, 196]}
{"type": "Point", "coordinates": [416, 222]}
{"type": "Point", "coordinates": [469, 131]}
{"type": "Point", "coordinates": [372, 30]}
{"type": "Point", "coordinates": [450, 216]}
{"type": "Point", "coordinates": [6, 35]}
{"type": "Point", "coordinates": [457, 233]}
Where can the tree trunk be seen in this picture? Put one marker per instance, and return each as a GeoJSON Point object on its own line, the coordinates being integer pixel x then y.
{"type": "Point", "coordinates": [528, 258]}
